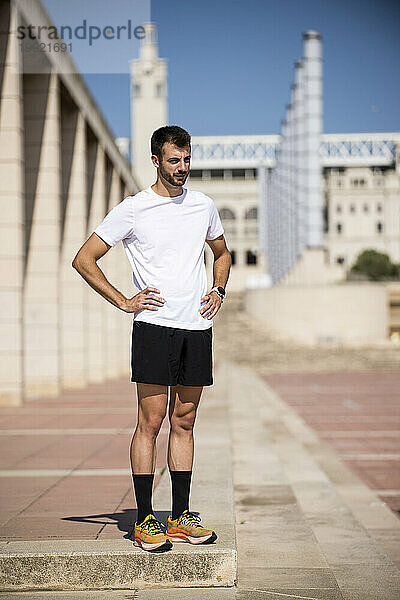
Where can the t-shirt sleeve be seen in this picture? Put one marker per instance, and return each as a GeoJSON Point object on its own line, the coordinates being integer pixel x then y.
{"type": "Point", "coordinates": [215, 228]}
{"type": "Point", "coordinates": [118, 223]}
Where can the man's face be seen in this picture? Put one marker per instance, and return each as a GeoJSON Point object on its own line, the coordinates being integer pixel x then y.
{"type": "Point", "coordinates": [175, 164]}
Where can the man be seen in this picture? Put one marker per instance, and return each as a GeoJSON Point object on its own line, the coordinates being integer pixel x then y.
{"type": "Point", "coordinates": [164, 229]}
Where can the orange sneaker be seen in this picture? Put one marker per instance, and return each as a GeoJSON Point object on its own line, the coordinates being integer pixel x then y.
{"type": "Point", "coordinates": [149, 535]}
{"type": "Point", "coordinates": [186, 528]}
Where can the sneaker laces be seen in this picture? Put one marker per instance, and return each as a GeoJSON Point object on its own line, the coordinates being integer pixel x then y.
{"type": "Point", "coordinates": [190, 518]}
{"type": "Point", "coordinates": [152, 526]}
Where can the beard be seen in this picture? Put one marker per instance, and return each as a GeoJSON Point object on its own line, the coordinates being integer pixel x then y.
{"type": "Point", "coordinates": [170, 178]}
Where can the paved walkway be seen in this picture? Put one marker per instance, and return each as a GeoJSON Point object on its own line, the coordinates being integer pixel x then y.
{"type": "Point", "coordinates": [64, 465]}
{"type": "Point", "coordinates": [306, 526]}
{"type": "Point", "coordinates": [358, 414]}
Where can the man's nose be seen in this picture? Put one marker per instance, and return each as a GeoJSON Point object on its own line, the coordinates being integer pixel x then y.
{"type": "Point", "coordinates": [182, 166]}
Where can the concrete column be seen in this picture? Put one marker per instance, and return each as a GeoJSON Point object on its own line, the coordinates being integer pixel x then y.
{"type": "Point", "coordinates": [128, 288]}
{"type": "Point", "coordinates": [73, 326]}
{"type": "Point", "coordinates": [298, 157]}
{"type": "Point", "coordinates": [43, 199]}
{"type": "Point", "coordinates": [96, 336]}
{"type": "Point", "coordinates": [312, 50]}
{"type": "Point", "coordinates": [11, 214]}
{"type": "Point", "coordinates": [112, 314]}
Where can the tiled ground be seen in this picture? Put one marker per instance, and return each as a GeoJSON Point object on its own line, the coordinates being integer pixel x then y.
{"type": "Point", "coordinates": [64, 464]}
{"type": "Point", "coordinates": [356, 413]}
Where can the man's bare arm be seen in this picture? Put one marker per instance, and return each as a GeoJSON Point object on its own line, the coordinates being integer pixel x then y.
{"type": "Point", "coordinates": [222, 261]}
{"type": "Point", "coordinates": [85, 262]}
{"type": "Point", "coordinates": [221, 269]}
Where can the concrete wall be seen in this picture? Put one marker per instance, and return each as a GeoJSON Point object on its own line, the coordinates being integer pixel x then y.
{"type": "Point", "coordinates": [341, 314]}
{"type": "Point", "coordinates": [60, 172]}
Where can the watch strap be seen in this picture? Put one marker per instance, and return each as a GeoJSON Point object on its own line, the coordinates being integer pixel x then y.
{"type": "Point", "coordinates": [215, 289]}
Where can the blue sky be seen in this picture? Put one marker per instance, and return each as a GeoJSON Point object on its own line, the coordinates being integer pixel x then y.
{"type": "Point", "coordinates": [231, 64]}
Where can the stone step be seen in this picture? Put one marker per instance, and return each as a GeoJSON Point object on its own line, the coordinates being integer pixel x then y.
{"type": "Point", "coordinates": [117, 564]}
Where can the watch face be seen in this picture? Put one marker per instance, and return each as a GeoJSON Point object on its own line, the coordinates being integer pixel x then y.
{"type": "Point", "coordinates": [221, 290]}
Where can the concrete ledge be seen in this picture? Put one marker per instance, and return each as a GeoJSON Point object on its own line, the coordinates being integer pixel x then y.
{"type": "Point", "coordinates": [108, 565]}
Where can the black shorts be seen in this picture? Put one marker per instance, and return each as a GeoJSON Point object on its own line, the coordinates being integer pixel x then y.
{"type": "Point", "coordinates": [170, 356]}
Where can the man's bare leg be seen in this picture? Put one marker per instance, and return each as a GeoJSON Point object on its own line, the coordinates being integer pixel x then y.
{"type": "Point", "coordinates": [152, 408]}
{"type": "Point", "coordinates": [183, 404]}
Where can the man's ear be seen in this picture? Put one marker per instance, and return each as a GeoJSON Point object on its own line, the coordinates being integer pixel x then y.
{"type": "Point", "coordinates": [155, 160]}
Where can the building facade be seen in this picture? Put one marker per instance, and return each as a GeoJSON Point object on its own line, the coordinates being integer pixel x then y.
{"type": "Point", "coordinates": [60, 173]}
{"type": "Point", "coordinates": [362, 210]}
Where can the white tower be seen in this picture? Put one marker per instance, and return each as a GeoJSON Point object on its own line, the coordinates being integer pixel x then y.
{"type": "Point", "coordinates": [149, 104]}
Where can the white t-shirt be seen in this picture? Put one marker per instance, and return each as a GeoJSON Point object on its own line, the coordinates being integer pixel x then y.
{"type": "Point", "coordinates": [164, 239]}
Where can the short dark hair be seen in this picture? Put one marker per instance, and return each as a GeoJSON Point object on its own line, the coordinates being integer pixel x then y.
{"type": "Point", "coordinates": [172, 134]}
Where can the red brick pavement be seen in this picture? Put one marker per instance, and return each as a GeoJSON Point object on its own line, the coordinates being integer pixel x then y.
{"type": "Point", "coordinates": [358, 414]}
{"type": "Point", "coordinates": [52, 505]}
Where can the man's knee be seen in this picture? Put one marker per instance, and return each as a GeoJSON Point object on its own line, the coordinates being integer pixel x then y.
{"type": "Point", "coordinates": [150, 424]}
{"type": "Point", "coordinates": [183, 423]}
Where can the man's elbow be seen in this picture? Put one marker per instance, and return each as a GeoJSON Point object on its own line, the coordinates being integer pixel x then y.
{"type": "Point", "coordinates": [75, 263]}
{"type": "Point", "coordinates": [78, 263]}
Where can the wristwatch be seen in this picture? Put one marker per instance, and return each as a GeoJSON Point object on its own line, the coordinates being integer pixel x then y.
{"type": "Point", "coordinates": [220, 291]}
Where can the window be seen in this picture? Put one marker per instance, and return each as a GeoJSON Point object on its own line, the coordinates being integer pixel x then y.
{"type": "Point", "coordinates": [233, 255]}
{"type": "Point", "coordinates": [379, 208]}
{"type": "Point", "coordinates": [136, 90]}
{"type": "Point", "coordinates": [358, 182]}
{"type": "Point", "coordinates": [196, 173]}
{"type": "Point", "coordinates": [227, 214]}
{"type": "Point", "coordinates": [159, 90]}
{"type": "Point", "coordinates": [238, 173]}
{"type": "Point", "coordinates": [217, 173]}
{"type": "Point", "coordinates": [251, 258]}
{"type": "Point", "coordinates": [339, 227]}
{"type": "Point", "coordinates": [338, 208]}
{"type": "Point", "coordinates": [352, 208]}
{"type": "Point", "coordinates": [379, 227]}
{"type": "Point", "coordinates": [340, 260]}
{"type": "Point", "coordinates": [378, 176]}
{"type": "Point", "coordinates": [251, 213]}
{"type": "Point", "coordinates": [365, 208]}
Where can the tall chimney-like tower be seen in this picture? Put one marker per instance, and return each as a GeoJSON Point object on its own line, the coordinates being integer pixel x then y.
{"type": "Point", "coordinates": [149, 104]}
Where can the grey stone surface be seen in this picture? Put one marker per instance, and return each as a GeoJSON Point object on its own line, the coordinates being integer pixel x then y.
{"type": "Point", "coordinates": [285, 578]}
{"type": "Point", "coordinates": [117, 570]}
{"type": "Point", "coordinates": [300, 532]}
{"type": "Point", "coordinates": [289, 594]}
{"type": "Point", "coordinates": [133, 594]}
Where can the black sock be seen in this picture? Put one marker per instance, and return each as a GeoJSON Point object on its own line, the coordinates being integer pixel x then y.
{"type": "Point", "coordinates": [180, 491]}
{"type": "Point", "coordinates": [143, 485]}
